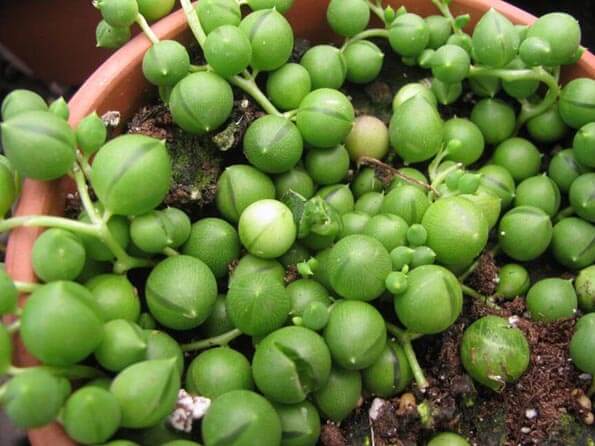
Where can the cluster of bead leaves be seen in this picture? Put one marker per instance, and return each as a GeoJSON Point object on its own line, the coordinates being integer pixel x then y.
{"type": "Point", "coordinates": [417, 238]}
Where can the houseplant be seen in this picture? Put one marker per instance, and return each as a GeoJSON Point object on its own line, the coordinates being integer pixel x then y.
{"type": "Point", "coordinates": [97, 104]}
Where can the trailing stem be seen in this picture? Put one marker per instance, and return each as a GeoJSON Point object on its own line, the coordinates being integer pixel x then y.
{"type": "Point", "coordinates": [445, 11]}
{"type": "Point", "coordinates": [404, 338]}
{"type": "Point", "coordinates": [142, 22]}
{"type": "Point", "coordinates": [247, 83]}
{"type": "Point", "coordinates": [98, 227]}
{"type": "Point", "coordinates": [124, 261]}
{"type": "Point", "coordinates": [377, 9]}
{"type": "Point", "coordinates": [215, 341]}
{"type": "Point", "coordinates": [528, 109]}
{"type": "Point", "coordinates": [468, 291]}
{"type": "Point", "coordinates": [367, 34]}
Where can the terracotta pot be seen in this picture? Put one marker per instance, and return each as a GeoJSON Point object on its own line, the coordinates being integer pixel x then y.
{"type": "Point", "coordinates": [119, 85]}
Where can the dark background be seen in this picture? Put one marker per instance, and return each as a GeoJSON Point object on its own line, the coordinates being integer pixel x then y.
{"type": "Point", "coordinates": [11, 77]}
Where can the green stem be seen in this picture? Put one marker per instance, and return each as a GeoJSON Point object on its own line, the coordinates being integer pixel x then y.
{"type": "Point", "coordinates": [528, 110]}
{"type": "Point", "coordinates": [26, 287]}
{"type": "Point", "coordinates": [215, 341]}
{"type": "Point", "coordinates": [439, 179]}
{"type": "Point", "coordinates": [246, 84]}
{"type": "Point", "coordinates": [367, 34]}
{"type": "Point", "coordinates": [377, 9]}
{"type": "Point", "coordinates": [170, 252]}
{"type": "Point", "coordinates": [193, 22]}
{"type": "Point", "coordinates": [445, 11]}
{"type": "Point", "coordinates": [469, 271]}
{"type": "Point", "coordinates": [142, 22]}
{"type": "Point", "coordinates": [197, 68]}
{"type": "Point", "coordinates": [433, 167]}
{"type": "Point", "coordinates": [44, 221]}
{"type": "Point", "coordinates": [591, 390]}
{"type": "Point", "coordinates": [566, 212]}
{"type": "Point", "coordinates": [291, 114]}
{"type": "Point", "coordinates": [83, 161]}
{"type": "Point", "coordinates": [404, 338]}
{"type": "Point", "coordinates": [124, 261]}
{"type": "Point", "coordinates": [83, 190]}
{"type": "Point", "coordinates": [2, 392]}
{"type": "Point", "coordinates": [250, 87]}
{"type": "Point", "coordinates": [468, 291]}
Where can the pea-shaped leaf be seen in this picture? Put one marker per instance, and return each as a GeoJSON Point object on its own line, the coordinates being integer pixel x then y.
{"type": "Point", "coordinates": [160, 345]}
{"type": "Point", "coordinates": [118, 12]}
{"type": "Point", "coordinates": [300, 423]}
{"type": "Point", "coordinates": [123, 344]}
{"type": "Point", "coordinates": [273, 144]}
{"type": "Point", "coordinates": [8, 292]}
{"type": "Point", "coordinates": [416, 130]}
{"type": "Point", "coordinates": [552, 40]}
{"type": "Point", "coordinates": [290, 363]}
{"type": "Point", "coordinates": [390, 374]}
{"type": "Point", "coordinates": [409, 35]}
{"type": "Point", "coordinates": [257, 304]}
{"type": "Point", "coordinates": [583, 343]}
{"type": "Point", "coordinates": [573, 243]}
{"type": "Point", "coordinates": [493, 352]}
{"type": "Point", "coordinates": [58, 255]}
{"type": "Point", "coordinates": [8, 191]}
{"type": "Point", "coordinates": [552, 299]}
{"type": "Point", "coordinates": [218, 371]}
{"type": "Point", "coordinates": [91, 134]}
{"type": "Point", "coordinates": [39, 144]}
{"type": "Point", "coordinates": [238, 187]}
{"type": "Point", "coordinates": [355, 334]}
{"type": "Point", "coordinates": [61, 324]}
{"type": "Point", "coordinates": [181, 292]}
{"type": "Point", "coordinates": [131, 174]}
{"type": "Point", "coordinates": [432, 302]}
{"type": "Point", "coordinates": [340, 394]}
{"type": "Point", "coordinates": [34, 398]}
{"type": "Point", "coordinates": [358, 265]}
{"type": "Point", "coordinates": [147, 392]}
{"type": "Point", "coordinates": [201, 102]}
{"type": "Point", "coordinates": [112, 37]}
{"type": "Point", "coordinates": [21, 101]}
{"type": "Point", "coordinates": [525, 233]}
{"type": "Point", "coordinates": [227, 49]}
{"type": "Point", "coordinates": [348, 17]}
{"type": "Point", "coordinates": [271, 37]}
{"type": "Point", "coordinates": [215, 13]}
{"type": "Point", "coordinates": [495, 40]}
{"type": "Point", "coordinates": [326, 66]}
{"type": "Point", "coordinates": [5, 350]}
{"type": "Point", "coordinates": [166, 63]}
{"type": "Point", "coordinates": [241, 418]}
{"type": "Point", "coordinates": [91, 415]}
{"type": "Point", "coordinates": [325, 118]}
{"type": "Point", "coordinates": [266, 228]}
{"type": "Point", "coordinates": [457, 231]}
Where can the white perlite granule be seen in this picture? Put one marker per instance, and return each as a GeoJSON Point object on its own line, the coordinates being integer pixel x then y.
{"type": "Point", "coordinates": [376, 408]}
{"type": "Point", "coordinates": [188, 408]}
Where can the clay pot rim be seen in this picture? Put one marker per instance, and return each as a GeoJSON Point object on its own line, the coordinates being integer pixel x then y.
{"type": "Point", "coordinates": [47, 198]}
